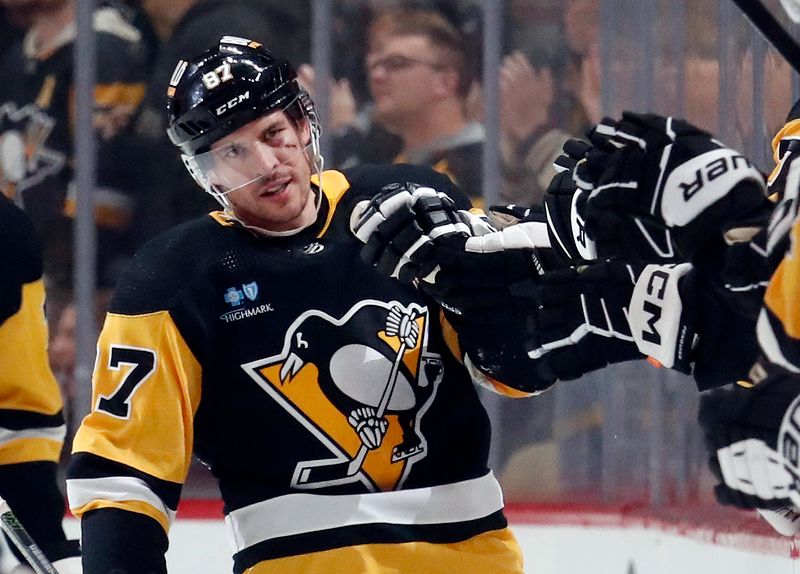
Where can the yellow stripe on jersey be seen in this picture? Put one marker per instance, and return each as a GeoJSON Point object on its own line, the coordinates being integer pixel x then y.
{"type": "Point", "coordinates": [789, 130]}
{"type": "Point", "coordinates": [129, 505]}
{"type": "Point", "coordinates": [450, 337]}
{"type": "Point", "coordinates": [26, 381]}
{"type": "Point", "coordinates": [496, 551]}
{"type": "Point", "coordinates": [31, 449]}
{"type": "Point", "coordinates": [334, 184]}
{"type": "Point", "coordinates": [781, 296]}
{"type": "Point", "coordinates": [501, 389]}
{"type": "Point", "coordinates": [163, 442]}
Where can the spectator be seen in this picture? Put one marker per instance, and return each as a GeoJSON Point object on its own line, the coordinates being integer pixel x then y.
{"type": "Point", "coordinates": [530, 139]}
{"type": "Point", "coordinates": [61, 352]}
{"type": "Point", "coordinates": [581, 106]}
{"type": "Point", "coordinates": [37, 116]}
{"type": "Point", "coordinates": [356, 137]}
{"type": "Point", "coordinates": [419, 83]}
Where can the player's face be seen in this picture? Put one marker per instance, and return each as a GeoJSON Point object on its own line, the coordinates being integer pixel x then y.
{"type": "Point", "coordinates": [266, 169]}
{"type": "Point", "coordinates": [405, 75]}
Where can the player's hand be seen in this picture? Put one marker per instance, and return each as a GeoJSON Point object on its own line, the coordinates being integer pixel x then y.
{"type": "Point", "coordinates": [400, 224]}
{"type": "Point", "coordinates": [669, 173]}
{"type": "Point", "coordinates": [579, 319]}
{"type": "Point", "coordinates": [748, 430]}
{"type": "Point", "coordinates": [563, 205]}
{"type": "Point", "coordinates": [619, 235]}
{"type": "Point", "coordinates": [662, 317]}
{"type": "Point", "coordinates": [456, 257]}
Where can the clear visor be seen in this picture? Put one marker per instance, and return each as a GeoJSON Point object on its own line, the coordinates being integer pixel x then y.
{"type": "Point", "coordinates": [256, 159]}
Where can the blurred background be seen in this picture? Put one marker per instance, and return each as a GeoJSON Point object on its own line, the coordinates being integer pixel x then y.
{"type": "Point", "coordinates": [489, 100]}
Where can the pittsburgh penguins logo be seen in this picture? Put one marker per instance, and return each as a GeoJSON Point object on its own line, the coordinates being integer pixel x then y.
{"type": "Point", "coordinates": [24, 159]}
{"type": "Point", "coordinates": [360, 384]}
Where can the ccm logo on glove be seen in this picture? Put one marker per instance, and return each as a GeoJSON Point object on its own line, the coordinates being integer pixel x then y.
{"type": "Point", "coordinates": [656, 315]}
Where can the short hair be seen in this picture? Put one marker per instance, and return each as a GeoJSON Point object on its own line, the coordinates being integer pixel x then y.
{"type": "Point", "coordinates": [437, 29]}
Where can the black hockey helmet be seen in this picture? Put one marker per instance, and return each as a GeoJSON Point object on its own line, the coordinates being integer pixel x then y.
{"type": "Point", "coordinates": [226, 87]}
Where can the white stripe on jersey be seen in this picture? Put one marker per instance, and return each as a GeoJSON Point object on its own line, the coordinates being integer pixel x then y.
{"type": "Point", "coordinates": [52, 433]}
{"type": "Point", "coordinates": [299, 513]}
{"type": "Point", "coordinates": [82, 491]}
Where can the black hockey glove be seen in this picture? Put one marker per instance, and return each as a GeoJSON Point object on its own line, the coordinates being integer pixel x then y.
{"type": "Point", "coordinates": [395, 242]}
{"type": "Point", "coordinates": [618, 235]}
{"type": "Point", "coordinates": [661, 316]}
{"type": "Point", "coordinates": [669, 173]}
{"type": "Point", "coordinates": [453, 256]}
{"type": "Point", "coordinates": [679, 320]}
{"type": "Point", "coordinates": [563, 205]}
{"type": "Point", "coordinates": [578, 321]}
{"type": "Point", "coordinates": [752, 435]}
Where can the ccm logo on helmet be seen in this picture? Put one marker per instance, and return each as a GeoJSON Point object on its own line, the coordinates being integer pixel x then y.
{"type": "Point", "coordinates": [232, 103]}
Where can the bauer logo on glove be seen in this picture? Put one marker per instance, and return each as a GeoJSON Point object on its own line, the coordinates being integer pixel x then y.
{"type": "Point", "coordinates": [702, 181]}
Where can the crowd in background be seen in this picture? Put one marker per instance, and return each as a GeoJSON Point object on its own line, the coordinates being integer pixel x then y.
{"type": "Point", "coordinates": [406, 87]}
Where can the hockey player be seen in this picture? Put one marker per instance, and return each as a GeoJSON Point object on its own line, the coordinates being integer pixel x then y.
{"type": "Point", "coordinates": [329, 401]}
{"type": "Point", "coordinates": [31, 409]}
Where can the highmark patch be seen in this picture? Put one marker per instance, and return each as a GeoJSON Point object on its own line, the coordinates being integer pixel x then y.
{"type": "Point", "coordinates": [239, 314]}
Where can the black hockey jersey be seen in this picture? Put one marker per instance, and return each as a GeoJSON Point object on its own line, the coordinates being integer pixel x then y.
{"type": "Point", "coordinates": [268, 357]}
{"type": "Point", "coordinates": [37, 128]}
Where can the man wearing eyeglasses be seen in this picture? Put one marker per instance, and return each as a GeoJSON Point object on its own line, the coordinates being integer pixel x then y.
{"type": "Point", "coordinates": [419, 81]}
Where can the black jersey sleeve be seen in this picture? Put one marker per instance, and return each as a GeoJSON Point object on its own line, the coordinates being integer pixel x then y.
{"type": "Point", "coordinates": [125, 542]}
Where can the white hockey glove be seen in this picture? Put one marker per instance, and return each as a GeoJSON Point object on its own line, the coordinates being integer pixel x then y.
{"type": "Point", "coordinates": [670, 173]}
{"type": "Point", "coordinates": [751, 434]}
{"type": "Point", "coordinates": [785, 520]}
{"type": "Point", "coordinates": [70, 565]}
{"type": "Point", "coordinates": [454, 256]}
{"type": "Point", "coordinates": [399, 225]}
